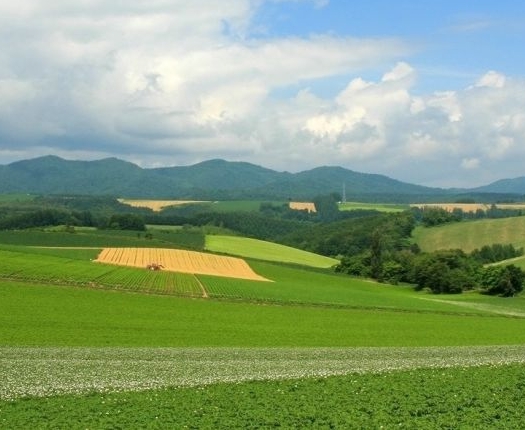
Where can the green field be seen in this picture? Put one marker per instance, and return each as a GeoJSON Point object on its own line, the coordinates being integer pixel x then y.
{"type": "Point", "coordinates": [260, 249]}
{"type": "Point", "coordinates": [469, 235]}
{"type": "Point", "coordinates": [381, 207]}
{"type": "Point", "coordinates": [87, 345]}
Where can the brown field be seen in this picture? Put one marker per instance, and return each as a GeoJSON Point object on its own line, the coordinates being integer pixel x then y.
{"type": "Point", "coordinates": [301, 206]}
{"type": "Point", "coordinates": [157, 205]}
{"type": "Point", "coordinates": [468, 207]}
{"type": "Point", "coordinates": [177, 260]}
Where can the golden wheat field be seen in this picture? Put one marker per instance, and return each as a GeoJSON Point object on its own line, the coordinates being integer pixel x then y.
{"type": "Point", "coordinates": [157, 205]}
{"type": "Point", "coordinates": [301, 206]}
{"type": "Point", "coordinates": [178, 260]}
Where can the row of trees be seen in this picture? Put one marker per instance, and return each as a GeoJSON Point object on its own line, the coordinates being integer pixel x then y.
{"type": "Point", "coordinates": [431, 216]}
{"type": "Point", "coordinates": [451, 271]}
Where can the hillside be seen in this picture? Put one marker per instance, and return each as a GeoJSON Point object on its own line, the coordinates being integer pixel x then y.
{"type": "Point", "coordinates": [214, 179]}
{"type": "Point", "coordinates": [469, 235]}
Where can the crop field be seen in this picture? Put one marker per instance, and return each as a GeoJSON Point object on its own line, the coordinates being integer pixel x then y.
{"type": "Point", "coordinates": [302, 206]}
{"type": "Point", "coordinates": [92, 238]}
{"type": "Point", "coordinates": [157, 205]}
{"type": "Point", "coordinates": [469, 235]}
{"type": "Point", "coordinates": [262, 250]}
{"type": "Point", "coordinates": [468, 207]}
{"type": "Point", "coordinates": [82, 346]}
{"type": "Point", "coordinates": [177, 260]}
{"type": "Point", "coordinates": [38, 266]}
{"type": "Point", "coordinates": [381, 207]}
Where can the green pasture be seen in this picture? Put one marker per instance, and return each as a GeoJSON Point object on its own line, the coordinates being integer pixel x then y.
{"type": "Point", "coordinates": [381, 207]}
{"type": "Point", "coordinates": [37, 315]}
{"type": "Point", "coordinates": [469, 235]}
{"type": "Point", "coordinates": [12, 198]}
{"type": "Point", "coordinates": [161, 238]}
{"type": "Point", "coordinates": [259, 249]}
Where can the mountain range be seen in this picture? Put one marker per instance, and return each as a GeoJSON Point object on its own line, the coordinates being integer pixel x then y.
{"type": "Point", "coordinates": [218, 179]}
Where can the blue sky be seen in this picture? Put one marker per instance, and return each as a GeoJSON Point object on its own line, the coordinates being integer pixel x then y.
{"type": "Point", "coordinates": [429, 92]}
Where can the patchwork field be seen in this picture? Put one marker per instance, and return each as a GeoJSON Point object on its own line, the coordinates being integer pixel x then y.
{"type": "Point", "coordinates": [179, 261]}
{"type": "Point", "coordinates": [469, 235]}
{"type": "Point", "coordinates": [83, 346]}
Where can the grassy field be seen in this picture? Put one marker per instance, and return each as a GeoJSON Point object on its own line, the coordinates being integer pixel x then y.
{"type": "Point", "coordinates": [469, 235]}
{"type": "Point", "coordinates": [85, 345]}
{"type": "Point", "coordinates": [259, 249]}
{"type": "Point", "coordinates": [381, 207]}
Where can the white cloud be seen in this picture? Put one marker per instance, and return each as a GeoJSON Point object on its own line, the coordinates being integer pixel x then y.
{"type": "Point", "coordinates": [491, 79]}
{"type": "Point", "coordinates": [169, 82]}
{"type": "Point", "coordinates": [470, 163]}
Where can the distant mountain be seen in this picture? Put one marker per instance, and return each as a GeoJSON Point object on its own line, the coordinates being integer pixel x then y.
{"type": "Point", "coordinates": [511, 186]}
{"type": "Point", "coordinates": [213, 179]}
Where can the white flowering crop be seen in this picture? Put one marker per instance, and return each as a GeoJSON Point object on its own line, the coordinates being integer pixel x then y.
{"type": "Point", "coordinates": [28, 371]}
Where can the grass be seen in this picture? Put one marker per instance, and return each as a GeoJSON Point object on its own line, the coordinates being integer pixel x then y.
{"type": "Point", "coordinates": [161, 238]}
{"type": "Point", "coordinates": [20, 197]}
{"type": "Point", "coordinates": [359, 354]}
{"type": "Point", "coordinates": [381, 207]}
{"type": "Point", "coordinates": [469, 235]}
{"type": "Point", "coordinates": [33, 314]}
{"type": "Point", "coordinates": [259, 249]}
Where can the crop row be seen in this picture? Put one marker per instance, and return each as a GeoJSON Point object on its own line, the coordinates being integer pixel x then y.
{"type": "Point", "coordinates": [51, 269]}
{"type": "Point", "coordinates": [43, 372]}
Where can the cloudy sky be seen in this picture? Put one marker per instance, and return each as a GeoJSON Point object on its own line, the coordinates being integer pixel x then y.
{"type": "Point", "coordinates": [430, 92]}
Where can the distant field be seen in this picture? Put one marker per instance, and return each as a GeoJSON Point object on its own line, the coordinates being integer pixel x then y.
{"type": "Point", "coordinates": [22, 197]}
{"type": "Point", "coordinates": [259, 249]}
{"type": "Point", "coordinates": [468, 207]}
{"type": "Point", "coordinates": [381, 207]}
{"type": "Point", "coordinates": [157, 205]}
{"type": "Point", "coordinates": [301, 206]}
{"type": "Point", "coordinates": [158, 238]}
{"type": "Point", "coordinates": [469, 235]}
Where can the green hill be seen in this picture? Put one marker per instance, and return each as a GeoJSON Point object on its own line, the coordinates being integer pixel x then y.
{"type": "Point", "coordinates": [209, 180]}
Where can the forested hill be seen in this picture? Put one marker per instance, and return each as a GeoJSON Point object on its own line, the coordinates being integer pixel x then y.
{"type": "Point", "coordinates": [210, 180]}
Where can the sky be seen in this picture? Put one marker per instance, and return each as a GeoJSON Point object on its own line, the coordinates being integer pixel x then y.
{"type": "Point", "coordinates": [428, 92]}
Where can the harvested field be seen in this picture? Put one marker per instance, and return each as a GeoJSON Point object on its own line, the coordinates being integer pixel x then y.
{"type": "Point", "coordinates": [301, 206]}
{"type": "Point", "coordinates": [157, 205]}
{"type": "Point", "coordinates": [177, 260]}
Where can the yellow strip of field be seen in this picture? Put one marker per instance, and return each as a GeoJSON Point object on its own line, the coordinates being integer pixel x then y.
{"type": "Point", "coordinates": [178, 260]}
{"type": "Point", "coordinates": [157, 205]}
{"type": "Point", "coordinates": [301, 206]}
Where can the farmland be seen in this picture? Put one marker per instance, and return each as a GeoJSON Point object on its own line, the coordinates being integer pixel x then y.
{"type": "Point", "coordinates": [259, 249]}
{"type": "Point", "coordinates": [472, 234]}
{"type": "Point", "coordinates": [157, 205]}
{"type": "Point", "coordinates": [87, 344]}
{"type": "Point", "coordinates": [381, 207]}
{"type": "Point", "coordinates": [179, 261]}
{"type": "Point", "coordinates": [302, 206]}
